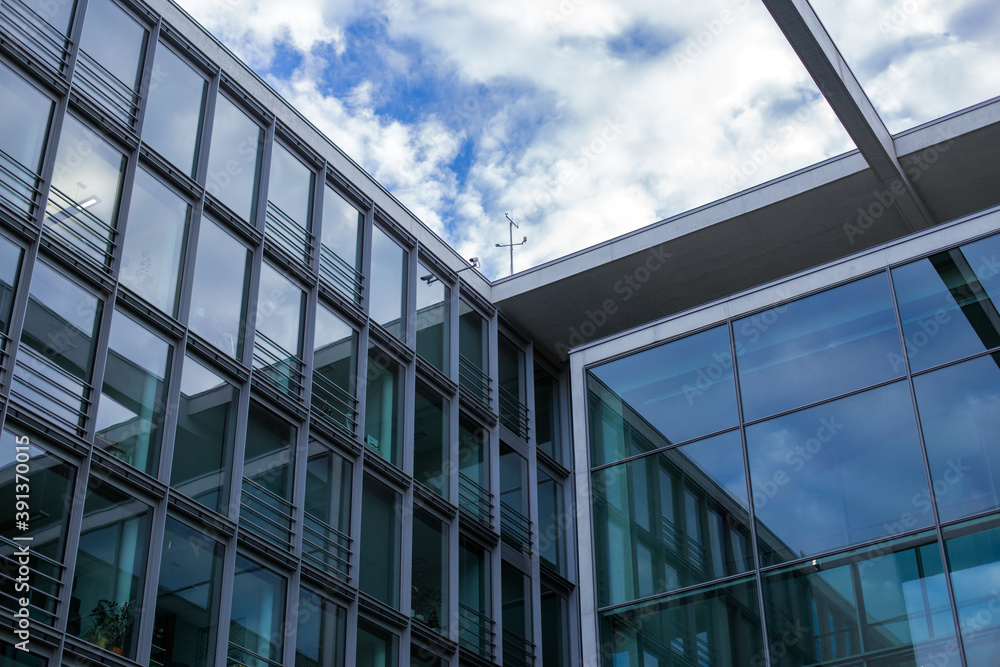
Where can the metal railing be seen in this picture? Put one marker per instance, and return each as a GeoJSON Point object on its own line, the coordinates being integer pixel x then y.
{"type": "Point", "coordinates": [341, 275]}
{"type": "Point", "coordinates": [683, 546]}
{"type": "Point", "coordinates": [36, 34]}
{"type": "Point", "coordinates": [472, 379]}
{"type": "Point", "coordinates": [18, 185]}
{"type": "Point", "coordinates": [5, 342]}
{"type": "Point", "coordinates": [513, 413]}
{"type": "Point", "coordinates": [42, 386]}
{"type": "Point", "coordinates": [517, 651]}
{"type": "Point", "coordinates": [111, 92]}
{"type": "Point", "coordinates": [326, 547]}
{"type": "Point", "coordinates": [287, 234]}
{"type": "Point", "coordinates": [475, 631]}
{"type": "Point", "coordinates": [515, 528]}
{"type": "Point", "coordinates": [45, 583]}
{"type": "Point", "coordinates": [333, 404]}
{"type": "Point", "coordinates": [71, 222]}
{"type": "Point", "coordinates": [239, 656]}
{"type": "Point", "coordinates": [266, 514]}
{"type": "Point", "coordinates": [277, 366]}
{"type": "Point", "coordinates": [474, 500]}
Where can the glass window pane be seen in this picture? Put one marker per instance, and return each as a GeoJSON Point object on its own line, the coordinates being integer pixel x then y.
{"type": "Point", "coordinates": [974, 563]}
{"type": "Point", "coordinates": [376, 647]}
{"type": "Point", "coordinates": [219, 293]}
{"type": "Point", "coordinates": [335, 361]}
{"type": "Point", "coordinates": [266, 496]}
{"type": "Point", "coordinates": [662, 396]}
{"type": "Point", "coordinates": [342, 228]}
{"type": "Point", "coordinates": [429, 594]}
{"type": "Point", "coordinates": [719, 626]}
{"type": "Point", "coordinates": [515, 528]}
{"type": "Point", "coordinates": [329, 485]}
{"type": "Point", "coordinates": [256, 625]}
{"type": "Point", "coordinates": [115, 41]}
{"type": "Point", "coordinates": [234, 158]}
{"type": "Point", "coordinates": [555, 629]}
{"type": "Point", "coordinates": [552, 521]}
{"type": "Point", "coordinates": [110, 568]}
{"type": "Point", "coordinates": [515, 590]}
{"type": "Point", "coordinates": [187, 598]}
{"type": "Point", "coordinates": [57, 14]}
{"type": "Point", "coordinates": [25, 114]}
{"type": "Point", "coordinates": [819, 475]}
{"type": "Point", "coordinates": [320, 632]}
{"type": "Point", "coordinates": [203, 448]}
{"type": "Point", "coordinates": [474, 599]}
{"type": "Point", "coordinates": [945, 311]}
{"type": "Point", "coordinates": [10, 268]}
{"type": "Point", "coordinates": [154, 242]}
{"type": "Point", "coordinates": [174, 106]}
{"type": "Point", "coordinates": [817, 347]}
{"type": "Point", "coordinates": [431, 441]}
{"type": "Point", "coordinates": [473, 467]}
{"type": "Point", "coordinates": [86, 184]}
{"type": "Point", "coordinates": [960, 413]}
{"type": "Point", "coordinates": [380, 548]}
{"type": "Point", "coordinates": [279, 312]}
{"type": "Point", "coordinates": [133, 401]}
{"type": "Point", "coordinates": [982, 257]}
{"type": "Point", "coordinates": [383, 405]}
{"type": "Point", "coordinates": [433, 329]}
{"type": "Point", "coordinates": [513, 393]}
{"type": "Point", "coordinates": [289, 200]}
{"type": "Point", "coordinates": [473, 338]}
{"type": "Point", "coordinates": [672, 520]}
{"type": "Point", "coordinates": [547, 416]}
{"type": "Point", "coordinates": [388, 284]}
{"type": "Point", "coordinates": [889, 602]}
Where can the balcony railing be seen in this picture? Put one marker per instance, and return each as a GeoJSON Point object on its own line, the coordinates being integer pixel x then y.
{"type": "Point", "coordinates": [111, 92]}
{"type": "Point", "coordinates": [517, 651]}
{"type": "Point", "coordinates": [475, 632]}
{"type": "Point", "coordinates": [282, 230]}
{"type": "Point", "coordinates": [45, 583]}
{"type": "Point", "coordinates": [475, 501]}
{"type": "Point", "coordinates": [34, 33]}
{"type": "Point", "coordinates": [684, 547]}
{"type": "Point", "coordinates": [266, 514]}
{"type": "Point", "coordinates": [473, 380]}
{"type": "Point", "coordinates": [341, 275]}
{"type": "Point", "coordinates": [18, 185]}
{"type": "Point", "coordinates": [515, 528]}
{"type": "Point", "coordinates": [5, 344]}
{"type": "Point", "coordinates": [244, 657]}
{"type": "Point", "coordinates": [277, 367]}
{"type": "Point", "coordinates": [326, 547]}
{"type": "Point", "coordinates": [334, 405]}
{"type": "Point", "coordinates": [71, 222]}
{"type": "Point", "coordinates": [49, 390]}
{"type": "Point", "coordinates": [513, 413]}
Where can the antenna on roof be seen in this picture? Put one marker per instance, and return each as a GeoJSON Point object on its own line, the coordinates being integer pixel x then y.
{"type": "Point", "coordinates": [511, 244]}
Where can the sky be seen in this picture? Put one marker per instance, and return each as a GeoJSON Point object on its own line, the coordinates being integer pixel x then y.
{"type": "Point", "coordinates": [588, 119]}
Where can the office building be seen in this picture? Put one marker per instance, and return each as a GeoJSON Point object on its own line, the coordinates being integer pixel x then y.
{"type": "Point", "coordinates": [255, 413]}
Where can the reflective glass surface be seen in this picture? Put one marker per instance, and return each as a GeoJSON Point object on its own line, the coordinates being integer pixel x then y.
{"type": "Point", "coordinates": [289, 191]}
{"type": "Point", "coordinates": [959, 410]}
{"type": "Point", "coordinates": [555, 628]}
{"type": "Point", "coordinates": [515, 595]}
{"type": "Point", "coordinates": [174, 106]}
{"type": "Point", "coordinates": [380, 541]}
{"type": "Point", "coordinates": [219, 294]}
{"type": "Point", "coordinates": [819, 476]}
{"type": "Point", "coordinates": [388, 284]}
{"type": "Point", "coordinates": [889, 604]}
{"type": "Point", "coordinates": [83, 198]}
{"type": "Point", "coordinates": [115, 41]}
{"type": "Point", "coordinates": [552, 522]}
{"type": "Point", "coordinates": [187, 598]}
{"type": "Point", "coordinates": [234, 158]}
{"type": "Point", "coordinates": [719, 626]}
{"type": "Point", "coordinates": [341, 235]}
{"type": "Point", "coordinates": [10, 267]}
{"type": "Point", "coordinates": [256, 624]}
{"type": "Point", "coordinates": [431, 443]}
{"type": "Point", "coordinates": [818, 347]}
{"type": "Point", "coordinates": [329, 487]}
{"type": "Point", "coordinates": [377, 647]}
{"type": "Point", "coordinates": [472, 455]}
{"type": "Point", "coordinates": [671, 520]}
{"type": "Point", "coordinates": [133, 402]}
{"type": "Point", "coordinates": [974, 565]}
{"type": "Point", "coordinates": [547, 426]}
{"type": "Point", "coordinates": [662, 396]}
{"type": "Point", "coordinates": [474, 598]}
{"type": "Point", "coordinates": [154, 242]}
{"type": "Point", "coordinates": [433, 308]}
{"type": "Point", "coordinates": [429, 594]}
{"type": "Point", "coordinates": [206, 427]}
{"type": "Point", "coordinates": [57, 14]}
{"type": "Point", "coordinates": [110, 568]}
{"type": "Point", "coordinates": [383, 406]}
{"type": "Point", "coordinates": [279, 311]}
{"type": "Point", "coordinates": [945, 311]}
{"type": "Point", "coordinates": [983, 258]}
{"type": "Point", "coordinates": [473, 338]}
{"type": "Point", "coordinates": [335, 362]}
{"type": "Point", "coordinates": [25, 113]}
{"type": "Point", "coordinates": [320, 631]}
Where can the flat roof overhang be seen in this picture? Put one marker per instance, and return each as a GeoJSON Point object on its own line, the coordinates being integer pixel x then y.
{"type": "Point", "coordinates": [802, 220]}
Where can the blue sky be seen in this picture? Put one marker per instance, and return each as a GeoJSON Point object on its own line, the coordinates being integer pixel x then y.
{"type": "Point", "coordinates": [591, 118]}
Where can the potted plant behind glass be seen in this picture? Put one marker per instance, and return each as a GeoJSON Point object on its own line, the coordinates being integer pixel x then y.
{"type": "Point", "coordinates": [112, 622]}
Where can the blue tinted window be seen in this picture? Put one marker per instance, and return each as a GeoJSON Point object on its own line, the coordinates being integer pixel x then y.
{"type": "Point", "coordinates": [960, 413]}
{"type": "Point", "coordinates": [837, 474]}
{"type": "Point", "coordinates": [662, 396]}
{"type": "Point", "coordinates": [974, 564]}
{"type": "Point", "coordinates": [817, 347]}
